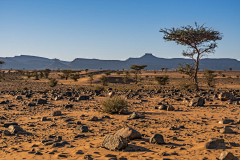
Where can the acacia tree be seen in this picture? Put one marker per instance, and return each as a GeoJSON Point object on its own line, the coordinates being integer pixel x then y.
{"type": "Point", "coordinates": [200, 41]}
{"type": "Point", "coordinates": [137, 70]}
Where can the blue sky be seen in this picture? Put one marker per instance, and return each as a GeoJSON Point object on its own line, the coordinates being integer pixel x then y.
{"type": "Point", "coordinates": [111, 29]}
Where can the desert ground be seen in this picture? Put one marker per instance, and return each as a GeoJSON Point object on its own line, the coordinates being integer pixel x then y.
{"type": "Point", "coordinates": [68, 121]}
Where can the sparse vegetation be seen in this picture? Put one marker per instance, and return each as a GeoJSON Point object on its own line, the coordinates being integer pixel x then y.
{"type": "Point", "coordinates": [99, 88]}
{"type": "Point", "coordinates": [104, 80]}
{"type": "Point", "coordinates": [53, 82]}
{"type": "Point", "coordinates": [137, 70]}
{"type": "Point", "coordinates": [209, 76]}
{"type": "Point", "coordinates": [114, 105]}
{"type": "Point", "coordinates": [162, 80]}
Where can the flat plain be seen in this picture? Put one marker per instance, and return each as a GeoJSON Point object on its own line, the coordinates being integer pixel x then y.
{"type": "Point", "coordinates": [68, 121]}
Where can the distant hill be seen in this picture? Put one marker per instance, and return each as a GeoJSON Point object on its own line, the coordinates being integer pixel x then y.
{"type": "Point", "coordinates": [153, 63]}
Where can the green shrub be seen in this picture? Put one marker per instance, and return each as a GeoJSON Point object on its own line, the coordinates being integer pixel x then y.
{"type": "Point", "coordinates": [186, 85]}
{"type": "Point", "coordinates": [114, 105]}
{"type": "Point", "coordinates": [25, 88]}
{"type": "Point", "coordinates": [209, 76]}
{"type": "Point", "coordinates": [104, 80]}
{"type": "Point", "coordinates": [162, 80]}
{"type": "Point", "coordinates": [75, 77]}
{"type": "Point", "coordinates": [53, 82]}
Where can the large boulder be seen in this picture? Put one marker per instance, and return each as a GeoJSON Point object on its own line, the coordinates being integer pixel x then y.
{"type": "Point", "coordinates": [198, 101]}
{"type": "Point", "coordinates": [114, 142]}
{"type": "Point", "coordinates": [128, 133]}
{"type": "Point", "coordinates": [226, 96]}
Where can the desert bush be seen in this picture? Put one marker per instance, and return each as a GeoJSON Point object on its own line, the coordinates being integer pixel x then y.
{"type": "Point", "coordinates": [108, 73]}
{"type": "Point", "coordinates": [80, 88]}
{"type": "Point", "coordinates": [53, 82]}
{"type": "Point", "coordinates": [209, 76]}
{"type": "Point", "coordinates": [162, 80]}
{"type": "Point", "coordinates": [98, 88]}
{"type": "Point", "coordinates": [46, 90]}
{"type": "Point", "coordinates": [25, 88]}
{"type": "Point", "coordinates": [36, 77]}
{"type": "Point", "coordinates": [66, 73]}
{"type": "Point", "coordinates": [104, 80]}
{"type": "Point", "coordinates": [75, 77]}
{"type": "Point", "coordinates": [118, 72]}
{"type": "Point", "coordinates": [46, 72]}
{"type": "Point", "coordinates": [90, 79]}
{"type": "Point", "coordinates": [223, 75]}
{"type": "Point", "coordinates": [61, 76]}
{"type": "Point", "coordinates": [114, 105]}
{"type": "Point", "coordinates": [186, 85]}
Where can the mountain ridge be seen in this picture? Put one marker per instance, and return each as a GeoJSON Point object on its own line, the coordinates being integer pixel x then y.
{"type": "Point", "coordinates": [30, 62]}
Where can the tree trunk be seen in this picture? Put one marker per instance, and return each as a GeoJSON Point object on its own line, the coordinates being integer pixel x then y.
{"type": "Point", "coordinates": [196, 70]}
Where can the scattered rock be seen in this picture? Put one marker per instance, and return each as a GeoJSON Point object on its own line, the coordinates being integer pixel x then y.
{"type": "Point", "coordinates": [94, 118]}
{"type": "Point", "coordinates": [198, 101]}
{"type": "Point", "coordinates": [134, 115]}
{"type": "Point", "coordinates": [128, 133]}
{"type": "Point", "coordinates": [211, 144]}
{"type": "Point", "coordinates": [226, 96]}
{"type": "Point", "coordinates": [81, 128]}
{"type": "Point", "coordinates": [226, 156]}
{"type": "Point", "coordinates": [13, 129]}
{"type": "Point", "coordinates": [226, 130]}
{"type": "Point", "coordinates": [56, 113]}
{"type": "Point", "coordinates": [170, 108]}
{"type": "Point", "coordinates": [156, 138]}
{"type": "Point", "coordinates": [114, 142]}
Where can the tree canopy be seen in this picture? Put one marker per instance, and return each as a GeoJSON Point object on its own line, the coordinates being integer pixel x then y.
{"type": "Point", "coordinates": [200, 41]}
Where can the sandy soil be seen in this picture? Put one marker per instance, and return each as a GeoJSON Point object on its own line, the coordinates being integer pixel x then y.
{"type": "Point", "coordinates": [185, 130]}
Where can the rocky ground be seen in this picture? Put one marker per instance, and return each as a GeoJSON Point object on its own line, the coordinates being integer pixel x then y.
{"type": "Point", "coordinates": [161, 123]}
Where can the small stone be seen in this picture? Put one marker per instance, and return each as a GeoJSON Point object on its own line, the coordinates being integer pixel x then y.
{"type": "Point", "coordinates": [226, 156]}
{"type": "Point", "coordinates": [81, 128]}
{"type": "Point", "coordinates": [128, 133]}
{"type": "Point", "coordinates": [41, 101]}
{"type": "Point", "coordinates": [56, 113]}
{"type": "Point", "coordinates": [44, 119]}
{"type": "Point", "coordinates": [94, 118]}
{"type": "Point", "coordinates": [162, 107]}
{"type": "Point", "coordinates": [18, 97]}
{"type": "Point", "coordinates": [156, 138]}
{"type": "Point", "coordinates": [226, 130]}
{"type": "Point", "coordinates": [13, 129]}
{"type": "Point", "coordinates": [211, 144]}
{"type": "Point", "coordinates": [198, 101]}
{"type": "Point", "coordinates": [134, 115]}
{"type": "Point", "coordinates": [170, 108]}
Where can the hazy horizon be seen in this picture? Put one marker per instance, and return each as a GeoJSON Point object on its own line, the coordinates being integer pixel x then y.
{"type": "Point", "coordinates": [111, 30]}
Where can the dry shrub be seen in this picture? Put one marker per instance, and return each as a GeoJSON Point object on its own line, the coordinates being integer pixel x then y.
{"type": "Point", "coordinates": [186, 85]}
{"type": "Point", "coordinates": [114, 105]}
{"type": "Point", "coordinates": [53, 82]}
{"type": "Point", "coordinates": [98, 88]}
